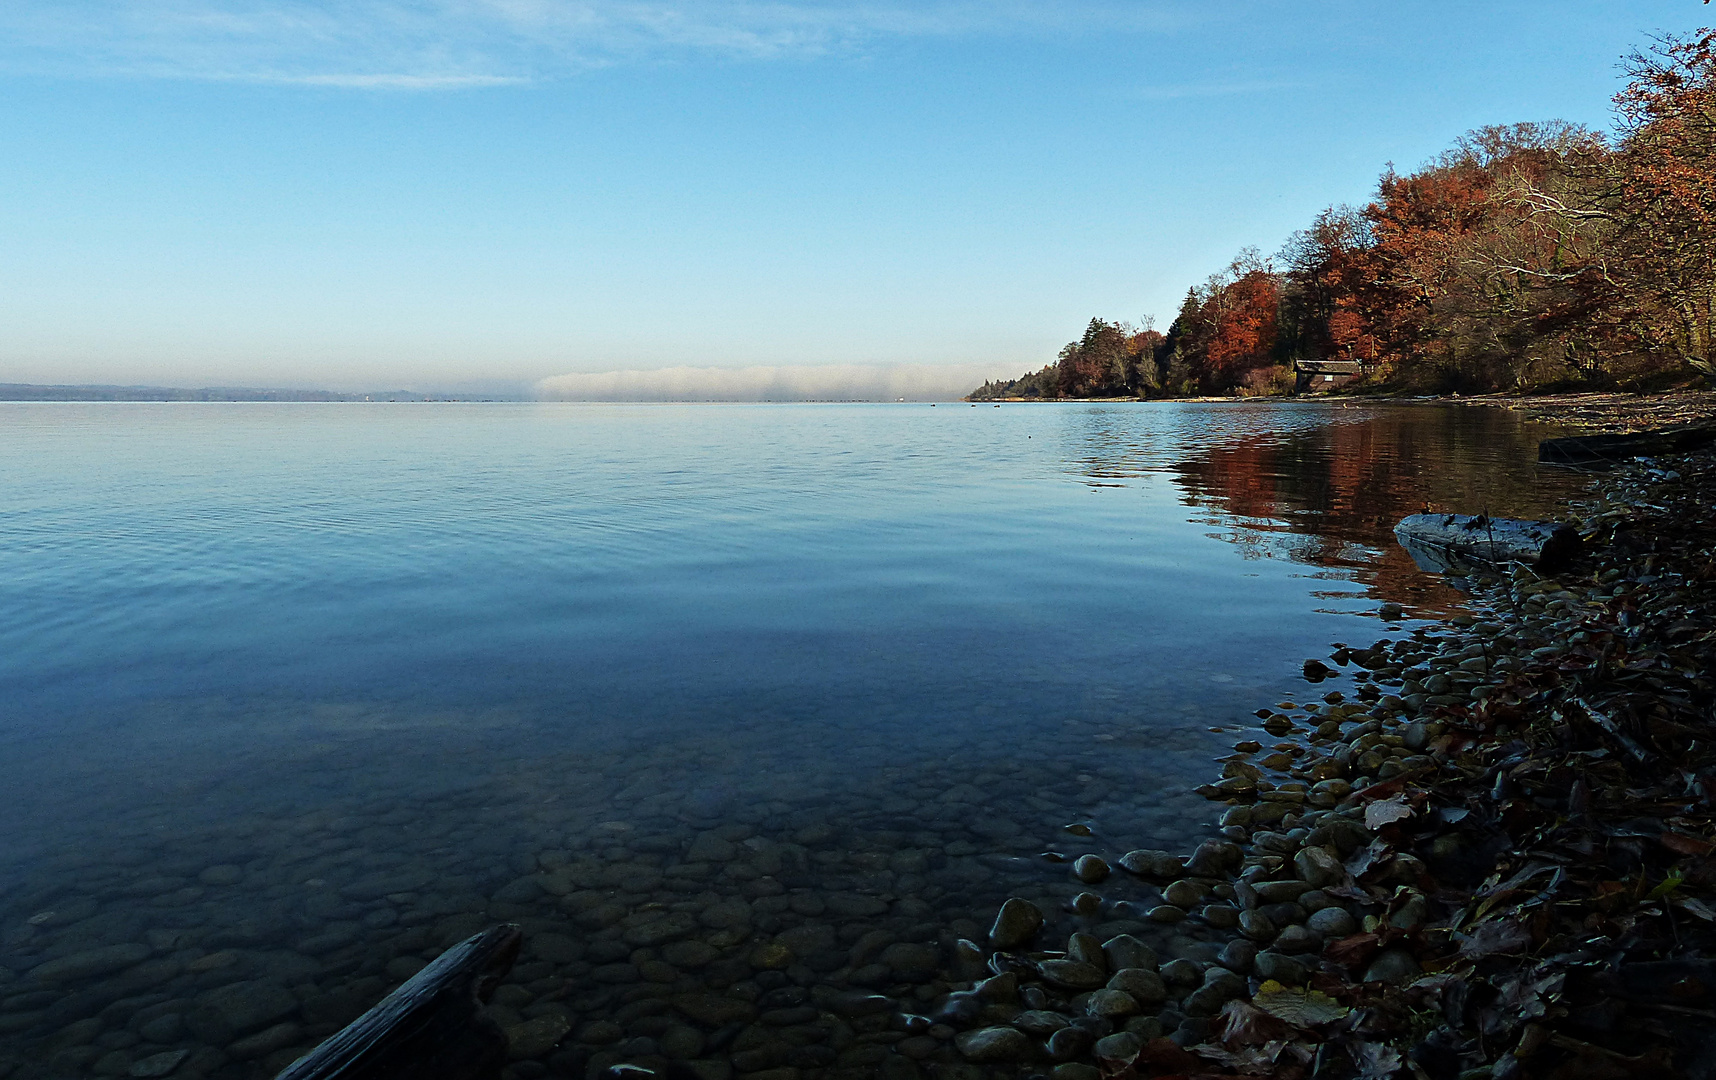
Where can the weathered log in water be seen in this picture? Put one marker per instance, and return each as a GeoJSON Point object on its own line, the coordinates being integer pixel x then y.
{"type": "Point", "coordinates": [1489, 540]}
{"type": "Point", "coordinates": [431, 1028]}
{"type": "Point", "coordinates": [1589, 450]}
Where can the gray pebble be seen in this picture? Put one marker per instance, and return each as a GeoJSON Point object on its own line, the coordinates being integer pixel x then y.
{"type": "Point", "coordinates": [1280, 967]}
{"type": "Point", "coordinates": [1183, 972]}
{"type": "Point", "coordinates": [1147, 987]}
{"type": "Point", "coordinates": [1334, 922]}
{"type": "Point", "coordinates": [1183, 894]}
{"type": "Point", "coordinates": [1126, 951]}
{"type": "Point", "coordinates": [1221, 916]}
{"type": "Point", "coordinates": [993, 1044]}
{"type": "Point", "coordinates": [1039, 1022]}
{"type": "Point", "coordinates": [1238, 956]}
{"type": "Point", "coordinates": [1298, 939]}
{"type": "Point", "coordinates": [1110, 1003]}
{"type": "Point", "coordinates": [1256, 925]}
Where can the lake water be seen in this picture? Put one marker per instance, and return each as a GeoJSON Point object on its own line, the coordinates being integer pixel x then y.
{"type": "Point", "coordinates": [314, 689]}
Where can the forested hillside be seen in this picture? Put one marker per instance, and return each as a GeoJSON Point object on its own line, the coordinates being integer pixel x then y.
{"type": "Point", "coordinates": [1529, 256]}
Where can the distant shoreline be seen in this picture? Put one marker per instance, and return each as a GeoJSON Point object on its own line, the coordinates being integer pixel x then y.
{"type": "Point", "coordinates": [28, 392]}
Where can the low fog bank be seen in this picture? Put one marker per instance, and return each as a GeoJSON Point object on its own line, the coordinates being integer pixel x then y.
{"type": "Point", "coordinates": [832, 382]}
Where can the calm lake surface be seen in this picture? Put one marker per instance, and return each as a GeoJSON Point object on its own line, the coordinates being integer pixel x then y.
{"type": "Point", "coordinates": [322, 686]}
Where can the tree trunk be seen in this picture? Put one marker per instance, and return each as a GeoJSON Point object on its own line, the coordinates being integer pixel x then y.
{"type": "Point", "coordinates": [431, 1028]}
{"type": "Point", "coordinates": [1490, 540]}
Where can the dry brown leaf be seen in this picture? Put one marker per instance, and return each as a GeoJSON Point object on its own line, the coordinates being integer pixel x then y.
{"type": "Point", "coordinates": [1386, 812]}
{"type": "Point", "coordinates": [1299, 1007]}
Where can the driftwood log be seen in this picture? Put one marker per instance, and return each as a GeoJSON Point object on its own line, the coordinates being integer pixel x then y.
{"type": "Point", "coordinates": [1489, 540]}
{"type": "Point", "coordinates": [1590, 450]}
{"type": "Point", "coordinates": [431, 1028]}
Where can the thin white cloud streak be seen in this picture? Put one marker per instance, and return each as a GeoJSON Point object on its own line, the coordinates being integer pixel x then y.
{"type": "Point", "coordinates": [443, 44]}
{"type": "Point", "coordinates": [830, 382]}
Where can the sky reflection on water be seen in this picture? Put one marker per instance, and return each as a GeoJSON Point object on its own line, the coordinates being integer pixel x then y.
{"type": "Point", "coordinates": [209, 610]}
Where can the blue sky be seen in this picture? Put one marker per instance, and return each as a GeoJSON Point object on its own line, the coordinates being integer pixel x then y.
{"type": "Point", "coordinates": [448, 193]}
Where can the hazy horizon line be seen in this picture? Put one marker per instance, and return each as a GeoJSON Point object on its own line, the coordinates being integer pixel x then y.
{"type": "Point", "coordinates": [759, 383]}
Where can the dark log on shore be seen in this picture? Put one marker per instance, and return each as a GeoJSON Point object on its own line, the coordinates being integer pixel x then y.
{"type": "Point", "coordinates": [1603, 449]}
{"type": "Point", "coordinates": [1489, 540]}
{"type": "Point", "coordinates": [431, 1028]}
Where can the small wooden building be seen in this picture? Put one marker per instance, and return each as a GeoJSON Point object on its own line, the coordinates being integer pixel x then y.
{"type": "Point", "coordinates": [1317, 375]}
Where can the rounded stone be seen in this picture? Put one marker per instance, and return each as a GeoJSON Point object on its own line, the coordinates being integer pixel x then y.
{"type": "Point", "coordinates": [1151, 863]}
{"type": "Point", "coordinates": [1319, 866]}
{"type": "Point", "coordinates": [771, 956]}
{"type": "Point", "coordinates": [222, 1015]}
{"type": "Point", "coordinates": [1334, 922]}
{"type": "Point", "coordinates": [1166, 913]}
{"type": "Point", "coordinates": [1040, 1022]}
{"type": "Point", "coordinates": [1015, 924]}
{"type": "Point", "coordinates": [998, 989]}
{"type": "Point", "coordinates": [163, 1029]}
{"type": "Point", "coordinates": [993, 1045]}
{"type": "Point", "coordinates": [1280, 892]}
{"type": "Point", "coordinates": [1213, 858]}
{"type": "Point", "coordinates": [1182, 894]}
{"type": "Point", "coordinates": [1118, 1050]}
{"type": "Point", "coordinates": [1238, 956]}
{"type": "Point", "coordinates": [1069, 1043]}
{"type": "Point", "coordinates": [265, 1042]}
{"type": "Point", "coordinates": [1146, 987]}
{"type": "Point", "coordinates": [1280, 967]}
{"type": "Point", "coordinates": [1110, 1003]}
{"type": "Point", "coordinates": [681, 1042]}
{"type": "Point", "coordinates": [1091, 869]}
{"type": "Point", "coordinates": [1256, 925]}
{"type": "Point", "coordinates": [1086, 949]}
{"type": "Point", "coordinates": [601, 1033]}
{"type": "Point", "coordinates": [1298, 939]}
{"type": "Point", "coordinates": [160, 1064]}
{"type": "Point", "coordinates": [90, 963]}
{"type": "Point", "coordinates": [1125, 951]}
{"type": "Point", "coordinates": [1072, 974]}
{"type": "Point", "coordinates": [1392, 966]}
{"type": "Point", "coordinates": [1221, 916]}
{"type": "Point", "coordinates": [225, 874]}
{"type": "Point", "coordinates": [1183, 972]}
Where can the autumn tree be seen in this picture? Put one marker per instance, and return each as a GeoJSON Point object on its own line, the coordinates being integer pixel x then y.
{"type": "Point", "coordinates": [1228, 328]}
{"type": "Point", "coordinates": [1663, 194]}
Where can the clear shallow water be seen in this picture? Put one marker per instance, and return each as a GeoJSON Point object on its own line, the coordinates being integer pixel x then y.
{"type": "Point", "coordinates": [464, 639]}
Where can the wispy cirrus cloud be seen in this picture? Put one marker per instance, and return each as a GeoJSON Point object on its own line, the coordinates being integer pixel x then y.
{"type": "Point", "coordinates": [439, 44]}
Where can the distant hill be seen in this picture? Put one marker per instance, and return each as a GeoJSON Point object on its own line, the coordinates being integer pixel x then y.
{"type": "Point", "coordinates": [35, 392]}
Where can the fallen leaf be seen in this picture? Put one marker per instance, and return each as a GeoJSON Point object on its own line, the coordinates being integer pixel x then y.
{"type": "Point", "coordinates": [1253, 1061]}
{"type": "Point", "coordinates": [1353, 951]}
{"type": "Point", "coordinates": [1302, 1008]}
{"type": "Point", "coordinates": [1682, 844]}
{"type": "Point", "coordinates": [1496, 936]}
{"type": "Point", "coordinates": [1698, 908]}
{"type": "Point", "coordinates": [1244, 1024]}
{"type": "Point", "coordinates": [1386, 812]}
{"type": "Point", "coordinates": [1376, 1061]}
{"type": "Point", "coordinates": [1163, 1055]}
